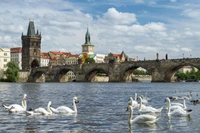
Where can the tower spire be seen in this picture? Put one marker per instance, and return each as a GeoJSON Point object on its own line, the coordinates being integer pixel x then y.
{"type": "Point", "coordinates": [87, 37]}
{"type": "Point", "coordinates": [31, 29]}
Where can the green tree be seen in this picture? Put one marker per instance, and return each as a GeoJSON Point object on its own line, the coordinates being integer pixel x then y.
{"type": "Point", "coordinates": [12, 72]}
{"type": "Point", "coordinates": [89, 60]}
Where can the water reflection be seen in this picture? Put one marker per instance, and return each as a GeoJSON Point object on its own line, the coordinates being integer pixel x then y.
{"type": "Point", "coordinates": [101, 108]}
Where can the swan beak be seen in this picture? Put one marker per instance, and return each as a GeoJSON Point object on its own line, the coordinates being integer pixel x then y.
{"type": "Point", "coordinates": [77, 101]}
{"type": "Point", "coordinates": [165, 100]}
{"type": "Point", "coordinates": [127, 109]}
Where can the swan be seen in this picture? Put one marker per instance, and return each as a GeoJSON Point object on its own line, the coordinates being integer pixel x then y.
{"type": "Point", "coordinates": [141, 119]}
{"type": "Point", "coordinates": [179, 104]}
{"type": "Point", "coordinates": [134, 103]}
{"type": "Point", "coordinates": [65, 109]}
{"type": "Point", "coordinates": [148, 109]}
{"type": "Point", "coordinates": [16, 107]}
{"type": "Point", "coordinates": [177, 112]}
{"type": "Point", "coordinates": [40, 110]}
{"type": "Point", "coordinates": [144, 101]}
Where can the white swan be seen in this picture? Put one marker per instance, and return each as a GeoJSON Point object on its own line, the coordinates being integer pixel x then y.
{"type": "Point", "coordinates": [134, 103]}
{"type": "Point", "coordinates": [141, 119]}
{"type": "Point", "coordinates": [179, 104]}
{"type": "Point", "coordinates": [40, 111]}
{"type": "Point", "coordinates": [16, 107]}
{"type": "Point", "coordinates": [66, 110]}
{"type": "Point", "coordinates": [148, 109]}
{"type": "Point", "coordinates": [177, 112]}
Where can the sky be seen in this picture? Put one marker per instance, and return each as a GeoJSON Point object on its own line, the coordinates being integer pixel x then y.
{"type": "Point", "coordinates": [140, 28]}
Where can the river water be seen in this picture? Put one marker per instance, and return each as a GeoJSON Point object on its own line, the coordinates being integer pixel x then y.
{"type": "Point", "coordinates": [101, 107]}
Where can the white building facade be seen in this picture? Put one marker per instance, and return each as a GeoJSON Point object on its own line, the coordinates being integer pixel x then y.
{"type": "Point", "coordinates": [99, 58]}
{"type": "Point", "coordinates": [4, 59]}
{"type": "Point", "coordinates": [16, 56]}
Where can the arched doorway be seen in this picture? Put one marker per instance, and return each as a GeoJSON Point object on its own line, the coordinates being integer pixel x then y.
{"type": "Point", "coordinates": [35, 64]}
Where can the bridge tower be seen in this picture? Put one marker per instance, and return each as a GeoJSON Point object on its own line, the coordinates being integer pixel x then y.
{"type": "Point", "coordinates": [87, 47]}
{"type": "Point", "coordinates": [31, 47]}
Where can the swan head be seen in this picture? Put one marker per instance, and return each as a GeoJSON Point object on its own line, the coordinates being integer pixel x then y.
{"type": "Point", "coordinates": [139, 98]}
{"type": "Point", "coordinates": [130, 99]}
{"type": "Point", "coordinates": [25, 96]}
{"type": "Point", "coordinates": [76, 99]}
{"type": "Point", "coordinates": [129, 108]}
{"type": "Point", "coordinates": [49, 103]}
{"type": "Point", "coordinates": [167, 99]}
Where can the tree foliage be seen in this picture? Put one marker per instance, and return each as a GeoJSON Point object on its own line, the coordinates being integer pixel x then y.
{"type": "Point", "coordinates": [12, 72]}
{"type": "Point", "coordinates": [141, 72]}
{"type": "Point", "coordinates": [89, 60]}
{"type": "Point", "coordinates": [192, 75]}
{"type": "Point", "coordinates": [84, 57]}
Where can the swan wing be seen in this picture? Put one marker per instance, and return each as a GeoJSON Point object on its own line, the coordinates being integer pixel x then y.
{"type": "Point", "coordinates": [145, 119]}
{"type": "Point", "coordinates": [54, 110]}
{"type": "Point", "coordinates": [65, 109]}
{"type": "Point", "coordinates": [41, 111]}
{"type": "Point", "coordinates": [180, 112]}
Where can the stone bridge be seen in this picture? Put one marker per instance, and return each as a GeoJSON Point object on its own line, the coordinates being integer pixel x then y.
{"type": "Point", "coordinates": [161, 70]}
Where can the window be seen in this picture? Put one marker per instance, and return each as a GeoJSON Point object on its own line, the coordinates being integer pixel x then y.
{"type": "Point", "coordinates": [5, 54]}
{"type": "Point", "coordinates": [5, 60]}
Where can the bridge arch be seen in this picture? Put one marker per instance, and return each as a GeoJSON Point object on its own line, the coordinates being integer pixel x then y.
{"type": "Point", "coordinates": [127, 73]}
{"type": "Point", "coordinates": [61, 75]}
{"type": "Point", "coordinates": [169, 74]}
{"type": "Point", "coordinates": [38, 76]}
{"type": "Point", "coordinates": [90, 75]}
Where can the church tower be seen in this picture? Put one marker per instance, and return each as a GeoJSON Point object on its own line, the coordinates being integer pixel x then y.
{"type": "Point", "coordinates": [31, 47]}
{"type": "Point", "coordinates": [87, 47]}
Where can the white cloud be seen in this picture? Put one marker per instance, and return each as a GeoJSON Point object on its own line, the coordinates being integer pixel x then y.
{"type": "Point", "coordinates": [186, 49]}
{"type": "Point", "coordinates": [155, 26]}
{"type": "Point", "coordinates": [115, 17]}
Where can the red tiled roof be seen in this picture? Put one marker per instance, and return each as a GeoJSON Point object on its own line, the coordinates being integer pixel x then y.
{"type": "Point", "coordinates": [16, 50]}
{"type": "Point", "coordinates": [44, 55]}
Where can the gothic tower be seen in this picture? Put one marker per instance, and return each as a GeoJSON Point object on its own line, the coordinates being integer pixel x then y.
{"type": "Point", "coordinates": [31, 46]}
{"type": "Point", "coordinates": [87, 47]}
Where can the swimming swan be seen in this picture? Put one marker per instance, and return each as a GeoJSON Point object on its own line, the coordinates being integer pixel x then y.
{"type": "Point", "coordinates": [134, 103]}
{"type": "Point", "coordinates": [16, 107]}
{"type": "Point", "coordinates": [65, 109]}
{"type": "Point", "coordinates": [179, 104]}
{"type": "Point", "coordinates": [141, 119]}
{"type": "Point", "coordinates": [40, 111]}
{"type": "Point", "coordinates": [177, 112]}
{"type": "Point", "coordinates": [148, 109]}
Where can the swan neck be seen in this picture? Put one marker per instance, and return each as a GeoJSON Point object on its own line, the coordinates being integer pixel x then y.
{"type": "Point", "coordinates": [48, 109]}
{"type": "Point", "coordinates": [140, 107]}
{"type": "Point", "coordinates": [131, 115]}
{"type": "Point", "coordinates": [135, 96]}
{"type": "Point", "coordinates": [74, 105]}
{"type": "Point", "coordinates": [169, 104]}
{"type": "Point", "coordinates": [24, 104]}
{"type": "Point", "coordinates": [184, 105]}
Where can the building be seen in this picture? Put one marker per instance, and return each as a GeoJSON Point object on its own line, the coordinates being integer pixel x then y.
{"type": "Point", "coordinates": [44, 59]}
{"type": "Point", "coordinates": [87, 47]}
{"type": "Point", "coordinates": [116, 57]}
{"type": "Point", "coordinates": [4, 59]}
{"type": "Point", "coordinates": [63, 58]}
{"type": "Point", "coordinates": [185, 69]}
{"type": "Point", "coordinates": [16, 56]}
{"type": "Point", "coordinates": [99, 58]}
{"type": "Point", "coordinates": [31, 47]}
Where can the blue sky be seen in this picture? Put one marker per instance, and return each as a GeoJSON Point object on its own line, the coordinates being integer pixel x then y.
{"type": "Point", "coordinates": [141, 28]}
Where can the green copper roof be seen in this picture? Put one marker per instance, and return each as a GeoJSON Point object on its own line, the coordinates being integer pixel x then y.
{"type": "Point", "coordinates": [87, 38]}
